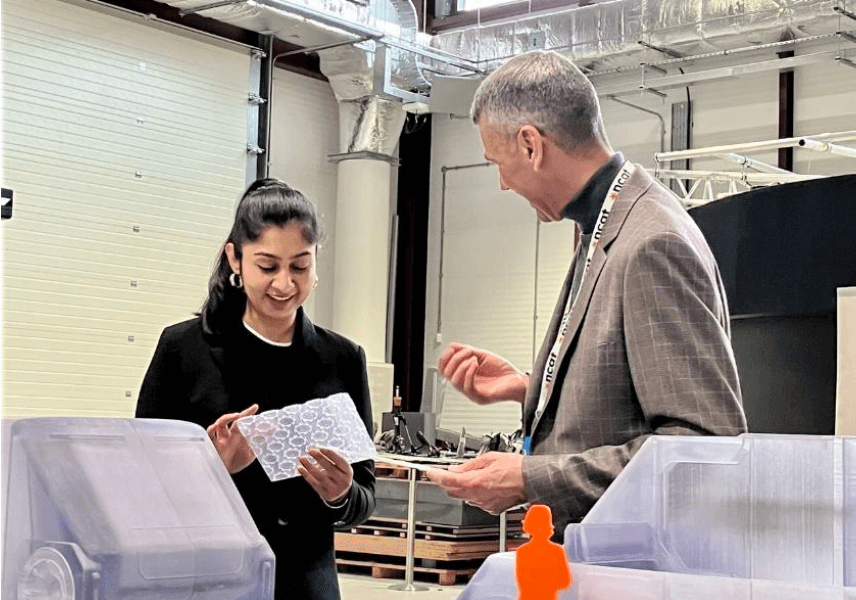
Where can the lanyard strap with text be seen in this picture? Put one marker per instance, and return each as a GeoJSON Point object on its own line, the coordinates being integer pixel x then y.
{"type": "Point", "coordinates": [550, 368]}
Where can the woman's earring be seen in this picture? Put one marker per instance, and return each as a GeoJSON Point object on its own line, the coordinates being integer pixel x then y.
{"type": "Point", "coordinates": [316, 282]}
{"type": "Point", "coordinates": [236, 281]}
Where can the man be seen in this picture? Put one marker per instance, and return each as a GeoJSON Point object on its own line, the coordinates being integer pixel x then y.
{"type": "Point", "coordinates": [639, 343]}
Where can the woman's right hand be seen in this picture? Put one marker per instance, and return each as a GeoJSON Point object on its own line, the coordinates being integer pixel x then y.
{"type": "Point", "coordinates": [231, 445]}
{"type": "Point", "coordinates": [482, 376]}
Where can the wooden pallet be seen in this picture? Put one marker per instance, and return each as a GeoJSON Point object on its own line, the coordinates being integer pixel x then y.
{"type": "Point", "coordinates": [424, 549]}
{"type": "Point", "coordinates": [515, 517]}
{"type": "Point", "coordinates": [430, 531]}
{"type": "Point", "coordinates": [388, 471]}
{"type": "Point", "coordinates": [382, 570]}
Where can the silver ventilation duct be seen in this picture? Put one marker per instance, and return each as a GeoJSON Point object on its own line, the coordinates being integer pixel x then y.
{"type": "Point", "coordinates": [608, 38]}
{"type": "Point", "coordinates": [310, 22]}
{"type": "Point", "coordinates": [608, 35]}
{"type": "Point", "coordinates": [368, 122]}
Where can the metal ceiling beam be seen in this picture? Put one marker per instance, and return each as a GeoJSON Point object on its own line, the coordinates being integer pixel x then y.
{"type": "Point", "coordinates": [678, 81]}
{"type": "Point", "coordinates": [661, 49]}
{"type": "Point", "coordinates": [330, 46]}
{"type": "Point", "coordinates": [192, 11]}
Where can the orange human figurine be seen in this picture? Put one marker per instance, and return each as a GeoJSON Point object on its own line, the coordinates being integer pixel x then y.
{"type": "Point", "coordinates": [541, 567]}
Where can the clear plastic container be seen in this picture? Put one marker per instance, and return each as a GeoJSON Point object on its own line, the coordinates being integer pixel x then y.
{"type": "Point", "coordinates": [122, 508]}
{"type": "Point", "coordinates": [495, 580]}
{"type": "Point", "coordinates": [767, 507]}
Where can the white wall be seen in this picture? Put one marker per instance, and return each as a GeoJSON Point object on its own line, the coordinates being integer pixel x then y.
{"type": "Point", "coordinates": [125, 145]}
{"type": "Point", "coordinates": [825, 101]}
{"type": "Point", "coordinates": [744, 110]}
{"type": "Point", "coordinates": [490, 298]}
{"type": "Point", "coordinates": [489, 246]}
{"type": "Point", "coordinates": [304, 132]}
{"type": "Point", "coordinates": [845, 406]}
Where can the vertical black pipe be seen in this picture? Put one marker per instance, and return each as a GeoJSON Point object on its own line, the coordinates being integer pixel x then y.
{"type": "Point", "coordinates": [414, 178]}
{"type": "Point", "coordinates": [681, 137]}
{"type": "Point", "coordinates": [786, 114]}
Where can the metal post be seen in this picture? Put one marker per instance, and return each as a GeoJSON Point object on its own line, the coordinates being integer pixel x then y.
{"type": "Point", "coordinates": [503, 531]}
{"type": "Point", "coordinates": [408, 586]}
{"type": "Point", "coordinates": [254, 150]}
{"type": "Point", "coordinates": [411, 531]}
{"type": "Point", "coordinates": [390, 293]}
{"type": "Point", "coordinates": [265, 114]}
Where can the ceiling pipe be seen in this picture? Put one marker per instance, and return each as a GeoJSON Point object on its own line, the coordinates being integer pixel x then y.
{"type": "Point", "coordinates": [814, 144]}
{"type": "Point", "coordinates": [662, 157]}
{"type": "Point", "coordinates": [751, 163]}
{"type": "Point", "coordinates": [650, 112]}
{"type": "Point", "coordinates": [751, 178]}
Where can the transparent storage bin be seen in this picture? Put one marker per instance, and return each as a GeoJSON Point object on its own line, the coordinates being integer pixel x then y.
{"type": "Point", "coordinates": [767, 507]}
{"type": "Point", "coordinates": [124, 508]}
{"type": "Point", "coordinates": [495, 580]}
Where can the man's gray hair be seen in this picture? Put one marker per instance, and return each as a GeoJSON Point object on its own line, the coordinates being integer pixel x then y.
{"type": "Point", "coordinates": [546, 90]}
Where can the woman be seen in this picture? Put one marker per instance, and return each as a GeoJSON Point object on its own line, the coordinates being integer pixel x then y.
{"type": "Point", "coordinates": [253, 348]}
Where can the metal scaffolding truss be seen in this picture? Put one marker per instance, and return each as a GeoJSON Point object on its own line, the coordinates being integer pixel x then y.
{"type": "Point", "coordinates": [700, 187]}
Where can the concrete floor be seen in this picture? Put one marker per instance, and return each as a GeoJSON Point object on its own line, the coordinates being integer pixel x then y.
{"type": "Point", "coordinates": [364, 587]}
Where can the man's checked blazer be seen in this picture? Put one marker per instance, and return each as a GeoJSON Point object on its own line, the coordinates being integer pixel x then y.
{"type": "Point", "coordinates": [648, 351]}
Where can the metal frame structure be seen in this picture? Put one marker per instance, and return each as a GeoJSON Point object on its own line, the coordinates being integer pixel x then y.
{"type": "Point", "coordinates": [701, 190]}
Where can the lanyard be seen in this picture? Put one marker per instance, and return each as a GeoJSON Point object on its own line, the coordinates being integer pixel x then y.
{"type": "Point", "coordinates": [552, 362]}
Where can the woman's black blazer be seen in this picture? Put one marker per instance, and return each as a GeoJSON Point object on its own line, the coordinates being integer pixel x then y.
{"type": "Point", "coordinates": [197, 377]}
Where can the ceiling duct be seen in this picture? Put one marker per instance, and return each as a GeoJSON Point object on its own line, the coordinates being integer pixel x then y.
{"type": "Point", "coordinates": [621, 44]}
{"type": "Point", "coordinates": [625, 33]}
{"type": "Point", "coordinates": [369, 121]}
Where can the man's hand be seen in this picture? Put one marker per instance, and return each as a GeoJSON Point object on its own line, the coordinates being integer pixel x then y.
{"type": "Point", "coordinates": [330, 475]}
{"type": "Point", "coordinates": [482, 376]}
{"type": "Point", "coordinates": [231, 445]}
{"type": "Point", "coordinates": [493, 481]}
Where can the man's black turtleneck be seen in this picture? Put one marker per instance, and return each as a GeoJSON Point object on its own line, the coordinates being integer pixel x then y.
{"type": "Point", "coordinates": [585, 207]}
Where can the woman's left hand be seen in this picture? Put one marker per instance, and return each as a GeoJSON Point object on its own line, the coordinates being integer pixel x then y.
{"type": "Point", "coordinates": [331, 475]}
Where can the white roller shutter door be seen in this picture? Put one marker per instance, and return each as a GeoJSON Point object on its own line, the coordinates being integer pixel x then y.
{"type": "Point", "coordinates": [125, 146]}
{"type": "Point", "coordinates": [502, 272]}
{"type": "Point", "coordinates": [488, 294]}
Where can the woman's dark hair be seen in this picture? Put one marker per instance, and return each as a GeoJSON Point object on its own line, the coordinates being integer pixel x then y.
{"type": "Point", "coordinates": [266, 203]}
